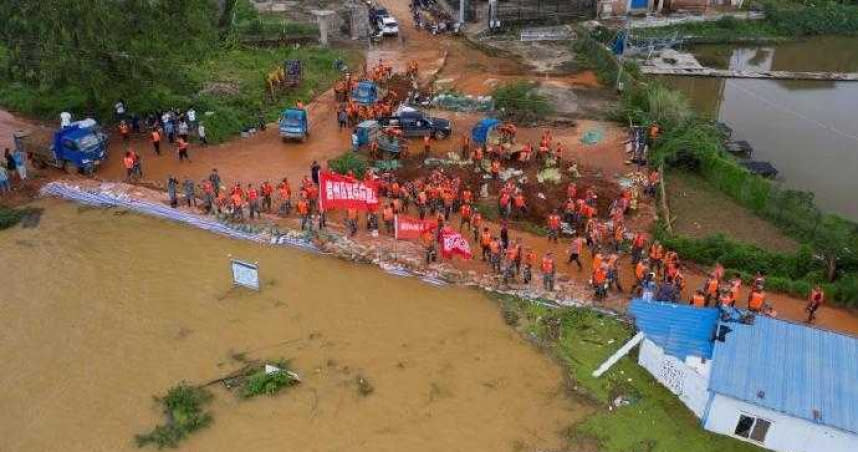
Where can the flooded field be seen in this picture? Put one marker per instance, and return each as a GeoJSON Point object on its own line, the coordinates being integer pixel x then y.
{"type": "Point", "coordinates": [806, 129]}
{"type": "Point", "coordinates": [101, 310]}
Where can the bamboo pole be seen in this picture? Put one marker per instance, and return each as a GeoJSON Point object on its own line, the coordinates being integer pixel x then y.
{"type": "Point", "coordinates": [664, 205]}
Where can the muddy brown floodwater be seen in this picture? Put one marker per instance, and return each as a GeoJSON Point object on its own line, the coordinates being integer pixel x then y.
{"type": "Point", "coordinates": [101, 310]}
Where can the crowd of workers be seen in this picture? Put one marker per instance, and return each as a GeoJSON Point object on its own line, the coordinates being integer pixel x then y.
{"type": "Point", "coordinates": [350, 112]}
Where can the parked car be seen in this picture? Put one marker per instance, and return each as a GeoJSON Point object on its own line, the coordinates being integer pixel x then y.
{"type": "Point", "coordinates": [416, 124]}
{"type": "Point", "coordinates": [387, 26]}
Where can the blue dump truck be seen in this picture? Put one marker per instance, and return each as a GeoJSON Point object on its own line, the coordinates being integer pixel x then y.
{"type": "Point", "coordinates": [79, 147]}
{"type": "Point", "coordinates": [294, 124]}
{"type": "Point", "coordinates": [365, 93]}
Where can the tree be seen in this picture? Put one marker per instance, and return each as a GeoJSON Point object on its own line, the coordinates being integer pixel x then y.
{"type": "Point", "coordinates": [104, 49]}
{"type": "Point", "coordinates": [835, 241]}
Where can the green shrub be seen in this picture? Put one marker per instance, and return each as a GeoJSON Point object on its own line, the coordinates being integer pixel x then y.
{"type": "Point", "coordinates": [183, 407]}
{"type": "Point", "coordinates": [10, 217]}
{"type": "Point", "coordinates": [349, 161]}
{"type": "Point", "coordinates": [813, 18]}
{"type": "Point", "coordinates": [261, 382]}
{"type": "Point", "coordinates": [520, 101]}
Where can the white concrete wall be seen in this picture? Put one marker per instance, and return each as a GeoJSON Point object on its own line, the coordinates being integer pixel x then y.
{"type": "Point", "coordinates": [685, 381]}
{"type": "Point", "coordinates": [786, 433]}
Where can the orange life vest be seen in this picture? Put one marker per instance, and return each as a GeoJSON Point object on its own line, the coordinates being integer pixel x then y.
{"type": "Point", "coordinates": [756, 300]}
{"type": "Point", "coordinates": [697, 300]}
{"type": "Point", "coordinates": [547, 265]}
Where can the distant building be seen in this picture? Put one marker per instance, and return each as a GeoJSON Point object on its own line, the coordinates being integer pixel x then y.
{"type": "Point", "coordinates": [622, 7]}
{"type": "Point", "coordinates": [776, 384]}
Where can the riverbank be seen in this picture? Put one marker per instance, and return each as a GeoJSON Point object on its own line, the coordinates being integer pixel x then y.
{"type": "Point", "coordinates": [692, 141]}
{"type": "Point", "coordinates": [782, 21]}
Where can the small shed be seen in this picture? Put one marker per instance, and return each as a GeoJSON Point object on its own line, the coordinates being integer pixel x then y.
{"type": "Point", "coordinates": [677, 347]}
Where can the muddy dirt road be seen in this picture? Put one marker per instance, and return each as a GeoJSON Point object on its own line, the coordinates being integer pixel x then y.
{"type": "Point", "coordinates": [92, 328]}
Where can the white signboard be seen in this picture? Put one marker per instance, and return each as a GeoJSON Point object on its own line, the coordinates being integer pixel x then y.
{"type": "Point", "coordinates": [245, 274]}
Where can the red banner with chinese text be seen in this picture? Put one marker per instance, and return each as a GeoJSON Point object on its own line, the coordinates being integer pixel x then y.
{"type": "Point", "coordinates": [410, 228]}
{"type": "Point", "coordinates": [342, 192]}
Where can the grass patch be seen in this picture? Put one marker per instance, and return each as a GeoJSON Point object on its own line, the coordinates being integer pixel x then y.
{"type": "Point", "coordinates": [10, 216]}
{"type": "Point", "coordinates": [183, 408]}
{"type": "Point", "coordinates": [232, 85]}
{"type": "Point", "coordinates": [655, 420]}
{"type": "Point", "coordinates": [700, 210]}
{"type": "Point", "coordinates": [259, 382]}
{"type": "Point", "coordinates": [724, 30]}
{"type": "Point", "coordinates": [519, 101]}
{"type": "Point", "coordinates": [350, 161]}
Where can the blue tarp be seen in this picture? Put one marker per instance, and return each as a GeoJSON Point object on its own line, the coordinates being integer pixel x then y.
{"type": "Point", "coordinates": [480, 132]}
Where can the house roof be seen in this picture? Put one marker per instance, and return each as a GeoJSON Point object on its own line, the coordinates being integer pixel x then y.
{"type": "Point", "coordinates": [794, 369]}
{"type": "Point", "coordinates": [681, 330]}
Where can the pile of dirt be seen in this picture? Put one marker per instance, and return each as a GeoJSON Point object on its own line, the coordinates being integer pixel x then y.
{"type": "Point", "coordinates": [539, 207]}
{"type": "Point", "coordinates": [398, 87]}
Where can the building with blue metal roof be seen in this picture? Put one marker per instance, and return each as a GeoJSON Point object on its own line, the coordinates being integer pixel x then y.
{"type": "Point", "coordinates": [780, 385]}
{"type": "Point", "coordinates": [785, 386]}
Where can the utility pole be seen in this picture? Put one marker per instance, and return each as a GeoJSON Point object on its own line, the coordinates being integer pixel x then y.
{"type": "Point", "coordinates": [462, 12]}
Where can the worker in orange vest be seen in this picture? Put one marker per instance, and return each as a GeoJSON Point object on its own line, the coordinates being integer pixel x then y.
{"type": "Point", "coordinates": [285, 192]}
{"type": "Point", "coordinates": [182, 148]}
{"type": "Point", "coordinates": [485, 241]}
{"type": "Point", "coordinates": [817, 297]}
{"type": "Point", "coordinates": [253, 200]}
{"type": "Point", "coordinates": [303, 208]}
{"type": "Point", "coordinates": [267, 190]}
{"type": "Point", "coordinates": [756, 299]}
{"type": "Point", "coordinates": [698, 299]}
{"type": "Point", "coordinates": [495, 254]}
{"type": "Point", "coordinates": [476, 223]}
{"type": "Point", "coordinates": [465, 212]}
{"type": "Point", "coordinates": [600, 276]}
{"type": "Point", "coordinates": [128, 162]}
{"type": "Point", "coordinates": [428, 240]}
{"type": "Point", "coordinates": [237, 205]}
{"type": "Point", "coordinates": [387, 217]}
{"type": "Point", "coordinates": [513, 256]}
{"type": "Point", "coordinates": [641, 270]}
{"type": "Point", "coordinates": [553, 226]}
{"type": "Point", "coordinates": [520, 203]}
{"type": "Point", "coordinates": [156, 140]}
{"type": "Point", "coordinates": [548, 271]}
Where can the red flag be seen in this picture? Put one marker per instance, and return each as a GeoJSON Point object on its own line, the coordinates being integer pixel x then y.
{"type": "Point", "coordinates": [408, 228]}
{"type": "Point", "coordinates": [453, 243]}
{"type": "Point", "coordinates": [342, 192]}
